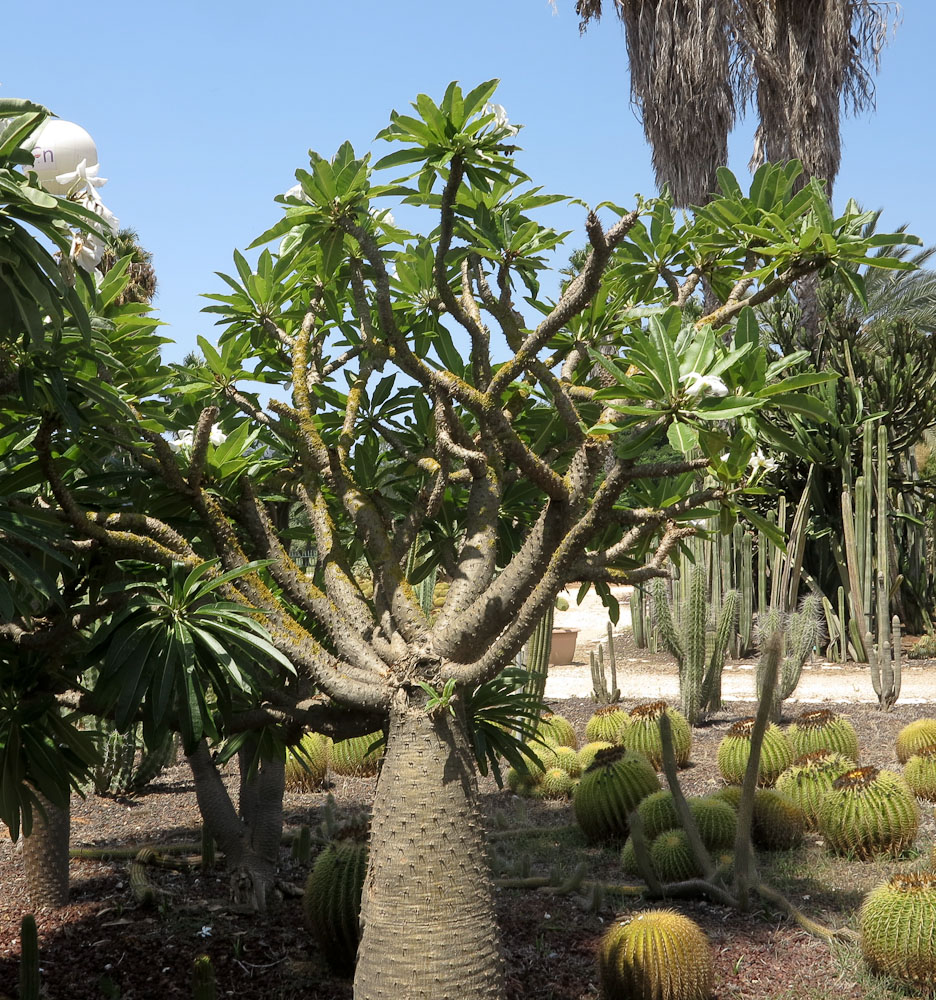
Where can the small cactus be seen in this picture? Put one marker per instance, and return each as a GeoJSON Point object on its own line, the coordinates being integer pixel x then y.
{"type": "Point", "coordinates": [672, 857]}
{"type": "Point", "coordinates": [821, 729]}
{"type": "Point", "coordinates": [568, 759]}
{"type": "Point", "coordinates": [555, 784]}
{"type": "Point", "coordinates": [203, 979]}
{"type": "Point", "coordinates": [613, 785]}
{"type": "Point", "coordinates": [642, 732]}
{"type": "Point", "coordinates": [733, 752]}
{"type": "Point", "coordinates": [606, 724]}
{"type": "Point", "coordinates": [869, 812]}
{"type": "Point", "coordinates": [777, 823]}
{"type": "Point", "coordinates": [655, 955]}
{"type": "Point", "coordinates": [920, 773]}
{"type": "Point", "coordinates": [29, 959]}
{"type": "Point", "coordinates": [358, 757]}
{"type": "Point", "coordinates": [913, 737]}
{"type": "Point", "coordinates": [307, 764]}
{"type": "Point", "coordinates": [715, 820]}
{"type": "Point", "coordinates": [556, 730]}
{"type": "Point", "coordinates": [808, 780]}
{"type": "Point", "coordinates": [331, 902]}
{"type": "Point", "coordinates": [898, 929]}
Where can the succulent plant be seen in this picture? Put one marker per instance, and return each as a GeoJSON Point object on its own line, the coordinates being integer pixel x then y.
{"type": "Point", "coordinates": [331, 902]}
{"type": "Point", "coordinates": [869, 812]}
{"type": "Point", "coordinates": [672, 857]}
{"type": "Point", "coordinates": [898, 929]}
{"type": "Point", "coordinates": [733, 752]}
{"type": "Point", "coordinates": [808, 779]}
{"type": "Point", "coordinates": [918, 734]}
{"type": "Point", "coordinates": [822, 729]}
{"type": "Point", "coordinates": [777, 823]}
{"type": "Point", "coordinates": [642, 732]}
{"type": "Point", "coordinates": [606, 724]}
{"type": "Point", "coordinates": [629, 859]}
{"type": "Point", "coordinates": [920, 773]}
{"type": "Point", "coordinates": [715, 820]}
{"type": "Point", "coordinates": [357, 757]}
{"type": "Point", "coordinates": [655, 955]}
{"type": "Point", "coordinates": [523, 782]}
{"type": "Point", "coordinates": [307, 764]}
{"type": "Point", "coordinates": [557, 730]}
{"type": "Point", "coordinates": [568, 759]}
{"type": "Point", "coordinates": [611, 787]}
{"type": "Point", "coordinates": [203, 979]}
{"type": "Point", "coordinates": [658, 813]}
{"type": "Point", "coordinates": [555, 784]}
{"type": "Point", "coordinates": [29, 982]}
{"type": "Point", "coordinates": [587, 753]}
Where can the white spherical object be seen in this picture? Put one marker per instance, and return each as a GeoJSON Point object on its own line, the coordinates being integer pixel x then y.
{"type": "Point", "coordinates": [59, 147]}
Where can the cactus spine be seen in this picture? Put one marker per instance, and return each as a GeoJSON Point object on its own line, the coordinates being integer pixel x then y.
{"type": "Point", "coordinates": [29, 959]}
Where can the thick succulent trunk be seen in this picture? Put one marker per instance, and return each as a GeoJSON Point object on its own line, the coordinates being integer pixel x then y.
{"type": "Point", "coordinates": [250, 840]}
{"type": "Point", "coordinates": [429, 931]}
{"type": "Point", "coordinates": [45, 855]}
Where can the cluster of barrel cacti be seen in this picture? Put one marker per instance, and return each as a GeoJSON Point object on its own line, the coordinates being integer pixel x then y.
{"type": "Point", "coordinates": [554, 765]}
{"type": "Point", "coordinates": [307, 763]}
{"type": "Point", "coordinates": [916, 750]}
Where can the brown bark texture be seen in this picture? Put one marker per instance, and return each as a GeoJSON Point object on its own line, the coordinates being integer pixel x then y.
{"type": "Point", "coordinates": [429, 930]}
{"type": "Point", "coordinates": [45, 855]}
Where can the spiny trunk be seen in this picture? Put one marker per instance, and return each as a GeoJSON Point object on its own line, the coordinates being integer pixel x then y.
{"type": "Point", "coordinates": [45, 855]}
{"type": "Point", "coordinates": [250, 841]}
{"type": "Point", "coordinates": [429, 930]}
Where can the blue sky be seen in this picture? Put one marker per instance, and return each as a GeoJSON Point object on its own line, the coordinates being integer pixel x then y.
{"type": "Point", "coordinates": [202, 111]}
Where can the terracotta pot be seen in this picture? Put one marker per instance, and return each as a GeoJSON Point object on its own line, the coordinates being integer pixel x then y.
{"type": "Point", "coordinates": [562, 648]}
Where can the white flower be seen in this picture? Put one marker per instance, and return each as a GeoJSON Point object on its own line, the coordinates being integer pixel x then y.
{"type": "Point", "coordinates": [183, 441]}
{"type": "Point", "coordinates": [760, 462]}
{"type": "Point", "coordinates": [384, 217]}
{"type": "Point", "coordinates": [205, 932]}
{"type": "Point", "coordinates": [216, 436]}
{"type": "Point", "coordinates": [500, 118]}
{"type": "Point", "coordinates": [701, 385]}
{"type": "Point", "coordinates": [295, 192]}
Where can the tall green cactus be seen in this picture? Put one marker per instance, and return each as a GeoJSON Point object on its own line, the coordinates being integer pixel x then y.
{"type": "Point", "coordinates": [800, 632]}
{"type": "Point", "coordinates": [537, 656]}
{"type": "Point", "coordinates": [203, 979]}
{"type": "Point", "coordinates": [601, 693]}
{"type": "Point", "coordinates": [29, 959]}
{"type": "Point", "coordinates": [699, 676]}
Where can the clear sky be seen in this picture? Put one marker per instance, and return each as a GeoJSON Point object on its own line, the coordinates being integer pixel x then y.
{"type": "Point", "coordinates": [202, 111]}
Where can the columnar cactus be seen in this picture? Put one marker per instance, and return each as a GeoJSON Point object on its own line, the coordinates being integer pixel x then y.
{"type": "Point", "coordinates": [613, 785]}
{"type": "Point", "coordinates": [331, 902]}
{"type": "Point", "coordinates": [307, 764]}
{"type": "Point", "coordinates": [809, 778]}
{"type": "Point", "coordinates": [684, 635]}
{"type": "Point", "coordinates": [203, 979]}
{"type": "Point", "coordinates": [606, 724]}
{"type": "Point", "coordinates": [869, 812]}
{"type": "Point", "coordinates": [913, 737]}
{"type": "Point", "coordinates": [642, 732]}
{"type": "Point", "coordinates": [801, 632]}
{"type": "Point", "coordinates": [735, 749]}
{"type": "Point", "coordinates": [822, 729]}
{"type": "Point", "coordinates": [357, 757]}
{"type": "Point", "coordinates": [655, 955]}
{"type": "Point", "coordinates": [29, 959]}
{"type": "Point", "coordinates": [898, 929]}
{"type": "Point", "coordinates": [920, 773]}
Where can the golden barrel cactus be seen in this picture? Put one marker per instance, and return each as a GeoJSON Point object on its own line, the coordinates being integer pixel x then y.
{"type": "Point", "coordinates": [606, 724]}
{"type": "Point", "coordinates": [822, 729]}
{"type": "Point", "coordinates": [869, 812]}
{"type": "Point", "coordinates": [808, 780]}
{"type": "Point", "coordinates": [642, 732]}
{"type": "Point", "coordinates": [655, 955]}
{"type": "Point", "coordinates": [615, 782]}
{"type": "Point", "coordinates": [898, 929]}
{"type": "Point", "coordinates": [735, 749]}
{"type": "Point", "coordinates": [920, 773]}
{"type": "Point", "coordinates": [913, 737]}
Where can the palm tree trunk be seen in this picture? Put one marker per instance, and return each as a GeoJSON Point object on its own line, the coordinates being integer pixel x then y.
{"type": "Point", "coordinates": [429, 929]}
{"type": "Point", "coordinates": [45, 855]}
{"type": "Point", "coordinates": [250, 840]}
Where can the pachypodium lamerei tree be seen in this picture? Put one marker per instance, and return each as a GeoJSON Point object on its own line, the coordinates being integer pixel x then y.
{"type": "Point", "coordinates": [424, 400]}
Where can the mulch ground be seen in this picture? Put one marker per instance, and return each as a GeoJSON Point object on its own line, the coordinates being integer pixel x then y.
{"type": "Point", "coordinates": [104, 945]}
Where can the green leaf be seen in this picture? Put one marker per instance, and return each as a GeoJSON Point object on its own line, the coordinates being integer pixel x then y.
{"type": "Point", "coordinates": [682, 437]}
